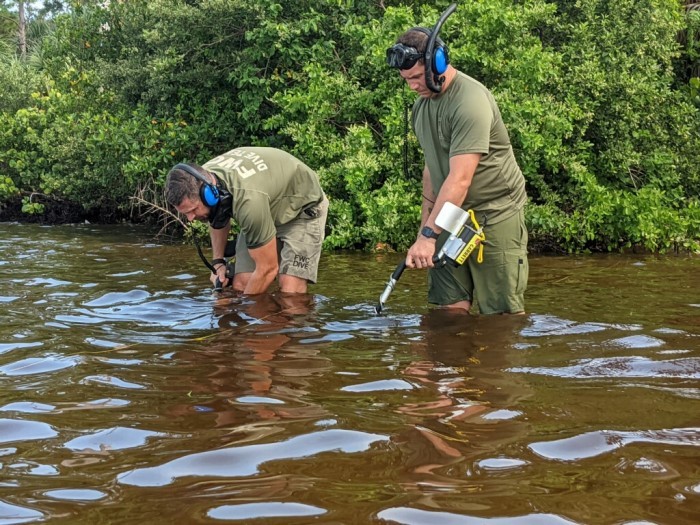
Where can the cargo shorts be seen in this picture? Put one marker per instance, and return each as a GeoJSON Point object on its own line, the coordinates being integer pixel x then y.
{"type": "Point", "coordinates": [497, 285]}
{"type": "Point", "coordinates": [299, 244]}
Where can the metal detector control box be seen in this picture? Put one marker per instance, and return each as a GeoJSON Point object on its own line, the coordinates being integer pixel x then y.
{"type": "Point", "coordinates": [465, 233]}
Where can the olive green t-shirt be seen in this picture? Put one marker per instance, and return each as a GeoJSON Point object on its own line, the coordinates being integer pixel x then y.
{"type": "Point", "coordinates": [464, 118]}
{"type": "Point", "coordinates": [270, 187]}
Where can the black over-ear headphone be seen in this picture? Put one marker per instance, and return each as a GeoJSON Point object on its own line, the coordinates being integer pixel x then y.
{"type": "Point", "coordinates": [208, 193]}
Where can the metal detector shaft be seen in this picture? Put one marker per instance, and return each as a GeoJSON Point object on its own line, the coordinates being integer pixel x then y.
{"type": "Point", "coordinates": [437, 261]}
{"type": "Point", "coordinates": [390, 286]}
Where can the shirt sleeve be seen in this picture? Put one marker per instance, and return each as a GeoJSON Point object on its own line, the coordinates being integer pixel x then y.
{"type": "Point", "coordinates": [254, 218]}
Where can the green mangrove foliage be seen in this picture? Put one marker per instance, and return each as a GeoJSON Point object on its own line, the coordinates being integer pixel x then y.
{"type": "Point", "coordinates": [601, 98]}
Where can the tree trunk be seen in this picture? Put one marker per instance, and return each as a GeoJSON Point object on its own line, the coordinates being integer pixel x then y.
{"type": "Point", "coordinates": [22, 31]}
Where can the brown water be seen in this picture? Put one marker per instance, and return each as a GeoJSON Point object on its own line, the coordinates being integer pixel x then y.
{"type": "Point", "coordinates": [131, 394]}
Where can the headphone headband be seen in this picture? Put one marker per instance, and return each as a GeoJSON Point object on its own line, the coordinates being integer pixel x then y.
{"type": "Point", "coordinates": [218, 200]}
{"type": "Point", "coordinates": [189, 169]}
{"type": "Point", "coordinates": [428, 33]}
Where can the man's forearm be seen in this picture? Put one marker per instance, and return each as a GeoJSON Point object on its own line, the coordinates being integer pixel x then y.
{"type": "Point", "coordinates": [428, 199]}
{"type": "Point", "coordinates": [219, 238]}
{"type": "Point", "coordinates": [448, 193]}
{"type": "Point", "coordinates": [426, 209]}
{"type": "Point", "coordinates": [456, 185]}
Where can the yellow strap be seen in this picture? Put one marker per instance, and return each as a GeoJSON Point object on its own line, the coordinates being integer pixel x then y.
{"type": "Point", "coordinates": [480, 235]}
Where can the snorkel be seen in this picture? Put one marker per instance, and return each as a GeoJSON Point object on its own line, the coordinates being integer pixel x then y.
{"type": "Point", "coordinates": [435, 66]}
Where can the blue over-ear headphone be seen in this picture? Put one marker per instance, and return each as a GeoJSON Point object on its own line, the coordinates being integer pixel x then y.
{"type": "Point", "coordinates": [437, 58]}
{"type": "Point", "coordinates": [208, 193]}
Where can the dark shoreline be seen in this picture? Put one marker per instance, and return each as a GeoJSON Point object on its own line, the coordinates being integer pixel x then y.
{"type": "Point", "coordinates": [62, 212]}
{"type": "Point", "coordinates": [58, 212]}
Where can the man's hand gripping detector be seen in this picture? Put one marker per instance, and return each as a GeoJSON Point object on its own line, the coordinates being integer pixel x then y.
{"type": "Point", "coordinates": [465, 236]}
{"type": "Point", "coordinates": [230, 262]}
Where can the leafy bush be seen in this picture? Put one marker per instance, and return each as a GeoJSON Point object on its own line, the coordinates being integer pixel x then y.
{"type": "Point", "coordinates": [7, 188]}
{"type": "Point", "coordinates": [600, 98]}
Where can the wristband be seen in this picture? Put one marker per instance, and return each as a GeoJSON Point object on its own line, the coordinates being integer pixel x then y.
{"type": "Point", "coordinates": [218, 261]}
{"type": "Point", "coordinates": [428, 232]}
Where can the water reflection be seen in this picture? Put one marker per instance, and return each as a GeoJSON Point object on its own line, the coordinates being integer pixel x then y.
{"type": "Point", "coordinates": [249, 511]}
{"type": "Point", "coordinates": [12, 430]}
{"type": "Point", "coordinates": [410, 516]}
{"type": "Point", "coordinates": [595, 443]}
{"type": "Point", "coordinates": [247, 460]}
{"type": "Point", "coordinates": [10, 513]}
{"type": "Point", "coordinates": [253, 357]}
{"type": "Point", "coordinates": [132, 393]}
{"type": "Point", "coordinates": [459, 365]}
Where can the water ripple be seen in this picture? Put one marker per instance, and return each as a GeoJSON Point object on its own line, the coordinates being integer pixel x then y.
{"type": "Point", "coordinates": [114, 298]}
{"type": "Point", "coordinates": [546, 325]}
{"type": "Point", "coordinates": [498, 464]}
{"type": "Point", "coordinates": [502, 414]}
{"type": "Point", "coordinates": [593, 444]}
{"type": "Point", "coordinates": [49, 283]}
{"type": "Point", "coordinates": [373, 323]}
{"type": "Point", "coordinates": [134, 389]}
{"type": "Point", "coordinates": [549, 325]}
{"type": "Point", "coordinates": [112, 381]}
{"type": "Point", "coordinates": [39, 365]}
{"type": "Point", "coordinates": [16, 514]}
{"type": "Point", "coordinates": [616, 367]}
{"type": "Point", "coordinates": [409, 516]}
{"type": "Point", "coordinates": [647, 467]}
{"type": "Point", "coordinates": [160, 312]}
{"type": "Point", "coordinates": [6, 347]}
{"type": "Point", "coordinates": [36, 469]}
{"type": "Point", "coordinates": [117, 438]}
{"type": "Point", "coordinates": [259, 400]}
{"type": "Point", "coordinates": [246, 460]}
{"type": "Point", "coordinates": [374, 386]}
{"type": "Point", "coordinates": [76, 494]}
{"type": "Point", "coordinates": [637, 341]}
{"type": "Point", "coordinates": [27, 407]}
{"type": "Point", "coordinates": [264, 510]}
{"type": "Point", "coordinates": [18, 430]}
{"type": "Point", "coordinates": [98, 403]}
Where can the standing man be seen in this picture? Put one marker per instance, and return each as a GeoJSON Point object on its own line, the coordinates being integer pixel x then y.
{"type": "Point", "coordinates": [277, 202]}
{"type": "Point", "coordinates": [469, 162]}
